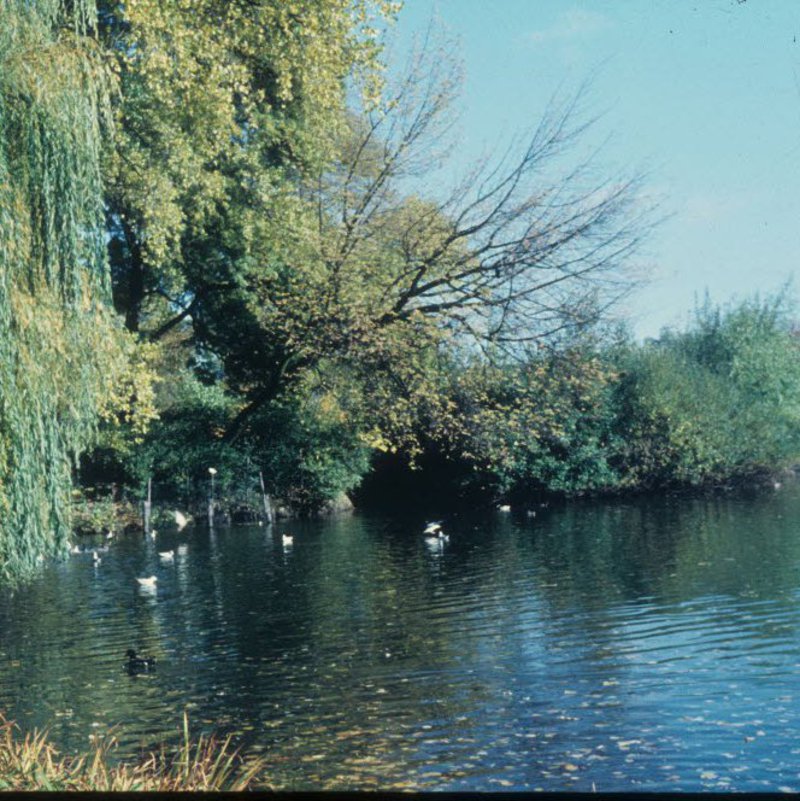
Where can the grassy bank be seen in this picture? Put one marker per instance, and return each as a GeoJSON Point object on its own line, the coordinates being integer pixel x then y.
{"type": "Point", "coordinates": [31, 762]}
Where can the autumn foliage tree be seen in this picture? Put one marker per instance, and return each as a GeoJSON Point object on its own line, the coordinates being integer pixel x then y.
{"type": "Point", "coordinates": [221, 102]}
{"type": "Point", "coordinates": [369, 279]}
{"type": "Point", "coordinates": [272, 225]}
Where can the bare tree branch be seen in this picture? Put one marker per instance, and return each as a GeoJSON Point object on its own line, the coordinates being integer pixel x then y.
{"type": "Point", "coordinates": [521, 249]}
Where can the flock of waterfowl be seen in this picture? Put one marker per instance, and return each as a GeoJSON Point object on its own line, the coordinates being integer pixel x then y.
{"type": "Point", "coordinates": [165, 556]}
{"type": "Point", "coordinates": [433, 533]}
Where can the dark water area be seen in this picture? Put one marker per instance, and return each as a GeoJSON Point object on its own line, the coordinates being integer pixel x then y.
{"type": "Point", "coordinates": [640, 645]}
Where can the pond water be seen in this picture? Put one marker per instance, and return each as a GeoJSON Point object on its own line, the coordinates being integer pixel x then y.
{"type": "Point", "coordinates": [639, 645]}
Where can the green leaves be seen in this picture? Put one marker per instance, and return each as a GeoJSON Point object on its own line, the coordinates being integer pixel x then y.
{"type": "Point", "coordinates": [217, 99]}
{"type": "Point", "coordinates": [716, 402]}
{"type": "Point", "coordinates": [545, 425]}
{"type": "Point", "coordinates": [63, 357]}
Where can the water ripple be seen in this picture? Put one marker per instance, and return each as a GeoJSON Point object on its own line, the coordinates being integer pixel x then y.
{"type": "Point", "coordinates": [571, 652]}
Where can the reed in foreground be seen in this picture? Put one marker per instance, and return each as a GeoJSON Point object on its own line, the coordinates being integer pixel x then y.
{"type": "Point", "coordinates": [31, 762]}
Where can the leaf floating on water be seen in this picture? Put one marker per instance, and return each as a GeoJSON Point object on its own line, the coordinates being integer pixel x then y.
{"type": "Point", "coordinates": [346, 735]}
{"type": "Point", "coordinates": [708, 775]}
{"type": "Point", "coordinates": [624, 745]}
{"type": "Point", "coordinates": [367, 760]}
{"type": "Point", "coordinates": [569, 767]}
{"type": "Point", "coordinates": [318, 730]}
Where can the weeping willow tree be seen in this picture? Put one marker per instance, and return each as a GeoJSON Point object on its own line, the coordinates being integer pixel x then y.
{"type": "Point", "coordinates": [64, 362]}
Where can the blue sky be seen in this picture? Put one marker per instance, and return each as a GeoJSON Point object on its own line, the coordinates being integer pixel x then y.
{"type": "Point", "coordinates": [703, 96]}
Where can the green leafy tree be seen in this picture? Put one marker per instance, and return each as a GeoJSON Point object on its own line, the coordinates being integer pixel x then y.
{"type": "Point", "coordinates": [223, 107]}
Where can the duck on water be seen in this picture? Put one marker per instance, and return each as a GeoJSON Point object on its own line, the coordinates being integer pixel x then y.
{"type": "Point", "coordinates": [139, 664]}
{"type": "Point", "coordinates": [434, 533]}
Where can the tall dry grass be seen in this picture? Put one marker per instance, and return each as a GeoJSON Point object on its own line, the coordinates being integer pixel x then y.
{"type": "Point", "coordinates": [31, 762]}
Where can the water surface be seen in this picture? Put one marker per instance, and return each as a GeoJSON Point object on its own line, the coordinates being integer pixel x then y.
{"type": "Point", "coordinates": [647, 645]}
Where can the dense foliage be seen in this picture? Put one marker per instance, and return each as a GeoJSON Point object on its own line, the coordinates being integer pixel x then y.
{"type": "Point", "coordinates": [225, 110]}
{"type": "Point", "coordinates": [715, 404]}
{"type": "Point", "coordinates": [266, 235]}
{"type": "Point", "coordinates": [315, 300]}
{"type": "Point", "coordinates": [224, 244]}
{"type": "Point", "coordinates": [65, 361]}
